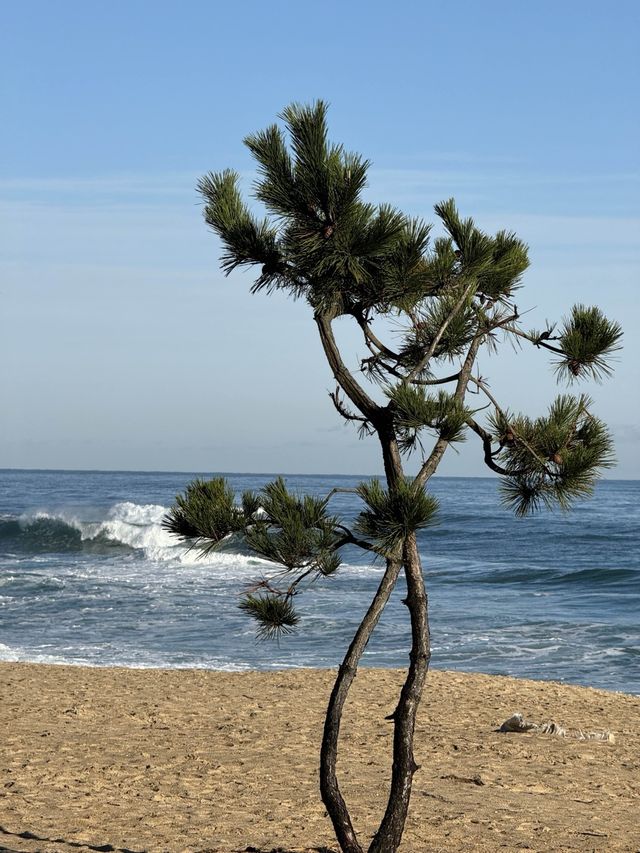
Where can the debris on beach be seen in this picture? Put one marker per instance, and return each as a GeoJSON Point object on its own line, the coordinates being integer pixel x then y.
{"type": "Point", "coordinates": [517, 723]}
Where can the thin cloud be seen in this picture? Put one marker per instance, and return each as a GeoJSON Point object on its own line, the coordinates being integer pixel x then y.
{"type": "Point", "coordinates": [171, 187]}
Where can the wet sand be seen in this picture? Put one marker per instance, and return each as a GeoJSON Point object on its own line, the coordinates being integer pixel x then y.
{"type": "Point", "coordinates": [191, 760]}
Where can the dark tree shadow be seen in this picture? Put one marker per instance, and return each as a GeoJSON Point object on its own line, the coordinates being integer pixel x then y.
{"type": "Point", "coordinates": [282, 850]}
{"type": "Point", "coordinates": [109, 848]}
{"type": "Point", "coordinates": [30, 836]}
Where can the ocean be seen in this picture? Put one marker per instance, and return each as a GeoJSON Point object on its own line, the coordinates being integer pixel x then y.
{"type": "Point", "coordinates": [88, 576]}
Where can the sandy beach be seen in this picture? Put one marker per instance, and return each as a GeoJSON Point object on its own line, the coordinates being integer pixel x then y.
{"type": "Point", "coordinates": [192, 760]}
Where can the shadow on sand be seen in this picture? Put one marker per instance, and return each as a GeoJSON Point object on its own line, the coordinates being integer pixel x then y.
{"type": "Point", "coordinates": [30, 836]}
{"type": "Point", "coordinates": [109, 848]}
{"type": "Point", "coordinates": [282, 850]}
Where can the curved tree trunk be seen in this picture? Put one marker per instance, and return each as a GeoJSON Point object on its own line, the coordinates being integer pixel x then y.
{"type": "Point", "coordinates": [389, 834]}
{"type": "Point", "coordinates": [329, 788]}
{"type": "Point", "coordinates": [388, 837]}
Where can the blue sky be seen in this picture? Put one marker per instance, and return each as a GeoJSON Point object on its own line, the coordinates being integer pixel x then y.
{"type": "Point", "coordinates": [122, 344]}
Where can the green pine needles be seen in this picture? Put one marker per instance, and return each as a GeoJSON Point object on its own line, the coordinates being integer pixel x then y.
{"type": "Point", "coordinates": [205, 515]}
{"type": "Point", "coordinates": [391, 516]}
{"type": "Point", "coordinates": [427, 310]}
{"type": "Point", "coordinates": [414, 410]}
{"type": "Point", "coordinates": [451, 296]}
{"type": "Point", "coordinates": [295, 532]}
{"type": "Point", "coordinates": [274, 614]}
{"type": "Point", "coordinates": [587, 339]}
{"type": "Point", "coordinates": [554, 459]}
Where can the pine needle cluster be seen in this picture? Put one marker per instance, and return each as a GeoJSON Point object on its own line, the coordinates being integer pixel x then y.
{"type": "Point", "coordinates": [295, 532]}
{"type": "Point", "coordinates": [554, 459]}
{"type": "Point", "coordinates": [414, 410]}
{"type": "Point", "coordinates": [206, 514]}
{"type": "Point", "coordinates": [274, 614]}
{"type": "Point", "coordinates": [587, 339]}
{"type": "Point", "coordinates": [495, 263]}
{"type": "Point", "coordinates": [390, 516]}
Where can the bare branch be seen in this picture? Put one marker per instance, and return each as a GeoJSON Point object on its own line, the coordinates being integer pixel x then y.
{"type": "Point", "coordinates": [350, 539]}
{"type": "Point", "coordinates": [393, 371]}
{"type": "Point", "coordinates": [536, 341]}
{"type": "Point", "coordinates": [486, 443]}
{"type": "Point", "coordinates": [342, 409]}
{"type": "Point", "coordinates": [338, 490]}
{"type": "Point", "coordinates": [370, 337]}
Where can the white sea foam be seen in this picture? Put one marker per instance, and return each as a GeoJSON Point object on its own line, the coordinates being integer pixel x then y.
{"type": "Point", "coordinates": [139, 526]}
{"type": "Point", "coordinates": [136, 526]}
{"type": "Point", "coordinates": [95, 656]}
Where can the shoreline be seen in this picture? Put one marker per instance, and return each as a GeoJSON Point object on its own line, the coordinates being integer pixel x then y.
{"type": "Point", "coordinates": [275, 670]}
{"type": "Point", "coordinates": [194, 760]}
{"type": "Point", "coordinates": [310, 669]}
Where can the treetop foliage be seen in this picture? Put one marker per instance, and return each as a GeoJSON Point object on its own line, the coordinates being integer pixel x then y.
{"type": "Point", "coordinates": [448, 299]}
{"type": "Point", "coordinates": [323, 242]}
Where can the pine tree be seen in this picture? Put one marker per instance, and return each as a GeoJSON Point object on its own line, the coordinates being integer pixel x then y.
{"type": "Point", "coordinates": [452, 297]}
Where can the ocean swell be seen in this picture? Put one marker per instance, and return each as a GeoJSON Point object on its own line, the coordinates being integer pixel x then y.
{"type": "Point", "coordinates": [124, 528]}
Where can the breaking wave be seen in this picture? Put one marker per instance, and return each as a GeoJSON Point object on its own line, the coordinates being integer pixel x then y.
{"type": "Point", "coordinates": [125, 527]}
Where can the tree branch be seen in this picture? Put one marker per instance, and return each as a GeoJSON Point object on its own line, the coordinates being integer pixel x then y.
{"type": "Point", "coordinates": [393, 371]}
{"type": "Point", "coordinates": [342, 375]}
{"type": "Point", "coordinates": [430, 465]}
{"type": "Point", "coordinates": [481, 385]}
{"type": "Point", "coordinates": [424, 362]}
{"type": "Point", "coordinates": [537, 342]}
{"type": "Point", "coordinates": [342, 409]}
{"type": "Point", "coordinates": [371, 337]}
{"type": "Point", "coordinates": [350, 539]}
{"type": "Point", "coordinates": [486, 443]}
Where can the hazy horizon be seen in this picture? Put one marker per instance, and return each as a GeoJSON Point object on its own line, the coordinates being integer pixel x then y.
{"type": "Point", "coordinates": [222, 473]}
{"type": "Point", "coordinates": [124, 346]}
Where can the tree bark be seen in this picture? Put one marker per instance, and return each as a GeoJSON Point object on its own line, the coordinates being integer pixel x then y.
{"type": "Point", "coordinates": [387, 838]}
{"type": "Point", "coordinates": [354, 391]}
{"type": "Point", "coordinates": [329, 788]}
{"type": "Point", "coordinates": [389, 834]}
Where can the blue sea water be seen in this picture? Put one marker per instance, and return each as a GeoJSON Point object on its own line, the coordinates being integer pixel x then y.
{"type": "Point", "coordinates": [88, 576]}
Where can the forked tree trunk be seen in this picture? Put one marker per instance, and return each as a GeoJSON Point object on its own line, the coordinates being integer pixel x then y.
{"type": "Point", "coordinates": [387, 838]}
{"type": "Point", "coordinates": [389, 834]}
{"type": "Point", "coordinates": [329, 788]}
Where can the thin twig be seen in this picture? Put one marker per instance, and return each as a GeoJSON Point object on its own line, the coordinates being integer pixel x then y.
{"type": "Point", "coordinates": [535, 341]}
{"type": "Point", "coordinates": [422, 365]}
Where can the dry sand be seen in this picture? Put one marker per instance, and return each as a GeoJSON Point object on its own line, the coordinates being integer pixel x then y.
{"type": "Point", "coordinates": [115, 759]}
